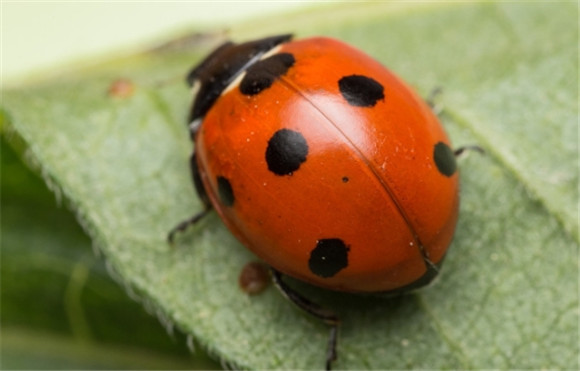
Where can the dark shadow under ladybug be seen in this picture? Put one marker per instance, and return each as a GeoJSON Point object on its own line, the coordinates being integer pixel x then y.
{"type": "Point", "coordinates": [254, 61]}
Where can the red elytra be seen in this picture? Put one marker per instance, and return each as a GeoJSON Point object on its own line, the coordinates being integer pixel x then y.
{"type": "Point", "coordinates": [324, 164]}
{"type": "Point", "coordinates": [368, 180]}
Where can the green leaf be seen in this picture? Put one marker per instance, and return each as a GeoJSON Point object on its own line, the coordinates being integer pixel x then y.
{"type": "Point", "coordinates": [60, 308]}
{"type": "Point", "coordinates": [508, 295]}
{"type": "Point", "coordinates": [37, 350]}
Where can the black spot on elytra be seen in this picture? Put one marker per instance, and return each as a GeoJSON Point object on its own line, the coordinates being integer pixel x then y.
{"type": "Point", "coordinates": [361, 91]}
{"type": "Point", "coordinates": [329, 257]}
{"type": "Point", "coordinates": [261, 75]}
{"type": "Point", "coordinates": [225, 191]}
{"type": "Point", "coordinates": [345, 179]}
{"type": "Point", "coordinates": [287, 150]}
{"type": "Point", "coordinates": [444, 159]}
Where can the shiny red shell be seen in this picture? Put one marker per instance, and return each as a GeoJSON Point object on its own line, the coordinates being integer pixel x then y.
{"type": "Point", "coordinates": [376, 193]}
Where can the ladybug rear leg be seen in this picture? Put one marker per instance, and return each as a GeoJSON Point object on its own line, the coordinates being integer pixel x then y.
{"type": "Point", "coordinates": [182, 226]}
{"type": "Point", "coordinates": [325, 315]}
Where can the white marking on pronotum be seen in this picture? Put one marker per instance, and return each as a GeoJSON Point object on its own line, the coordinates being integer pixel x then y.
{"type": "Point", "coordinates": [195, 86]}
{"type": "Point", "coordinates": [195, 125]}
{"type": "Point", "coordinates": [238, 78]}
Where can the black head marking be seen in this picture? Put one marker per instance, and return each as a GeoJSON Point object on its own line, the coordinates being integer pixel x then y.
{"type": "Point", "coordinates": [287, 150]}
{"type": "Point", "coordinates": [329, 257]}
{"type": "Point", "coordinates": [262, 74]}
{"type": "Point", "coordinates": [222, 66]}
{"type": "Point", "coordinates": [361, 91]}
{"type": "Point", "coordinates": [225, 191]}
{"type": "Point", "coordinates": [444, 159]}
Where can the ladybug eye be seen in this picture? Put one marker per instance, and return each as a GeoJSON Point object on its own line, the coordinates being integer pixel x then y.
{"type": "Point", "coordinates": [361, 91]}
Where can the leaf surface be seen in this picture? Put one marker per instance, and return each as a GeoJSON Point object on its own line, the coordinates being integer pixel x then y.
{"type": "Point", "coordinates": [508, 295]}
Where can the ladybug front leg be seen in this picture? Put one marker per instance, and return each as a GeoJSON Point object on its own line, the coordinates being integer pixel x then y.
{"type": "Point", "coordinates": [325, 315]}
{"type": "Point", "coordinates": [182, 226]}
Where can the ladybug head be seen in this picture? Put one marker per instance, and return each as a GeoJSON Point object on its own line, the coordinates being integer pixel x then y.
{"type": "Point", "coordinates": [222, 66]}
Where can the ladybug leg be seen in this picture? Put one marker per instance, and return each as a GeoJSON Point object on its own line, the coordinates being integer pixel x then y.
{"type": "Point", "coordinates": [437, 109]}
{"type": "Point", "coordinates": [459, 151]}
{"type": "Point", "coordinates": [323, 314]}
{"type": "Point", "coordinates": [431, 100]}
{"type": "Point", "coordinates": [182, 226]}
{"type": "Point", "coordinates": [198, 184]}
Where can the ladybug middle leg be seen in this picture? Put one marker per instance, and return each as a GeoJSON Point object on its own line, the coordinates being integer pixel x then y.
{"type": "Point", "coordinates": [325, 315]}
{"type": "Point", "coordinates": [459, 151]}
{"type": "Point", "coordinates": [437, 109]}
{"type": "Point", "coordinates": [182, 226]}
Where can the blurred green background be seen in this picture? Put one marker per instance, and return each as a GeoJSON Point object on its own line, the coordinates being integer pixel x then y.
{"type": "Point", "coordinates": [60, 306]}
{"type": "Point", "coordinates": [39, 35]}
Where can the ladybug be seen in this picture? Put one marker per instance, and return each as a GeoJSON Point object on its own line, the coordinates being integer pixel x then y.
{"type": "Point", "coordinates": [324, 164]}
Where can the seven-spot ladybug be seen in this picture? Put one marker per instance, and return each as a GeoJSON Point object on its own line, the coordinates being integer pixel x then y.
{"type": "Point", "coordinates": [324, 164]}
